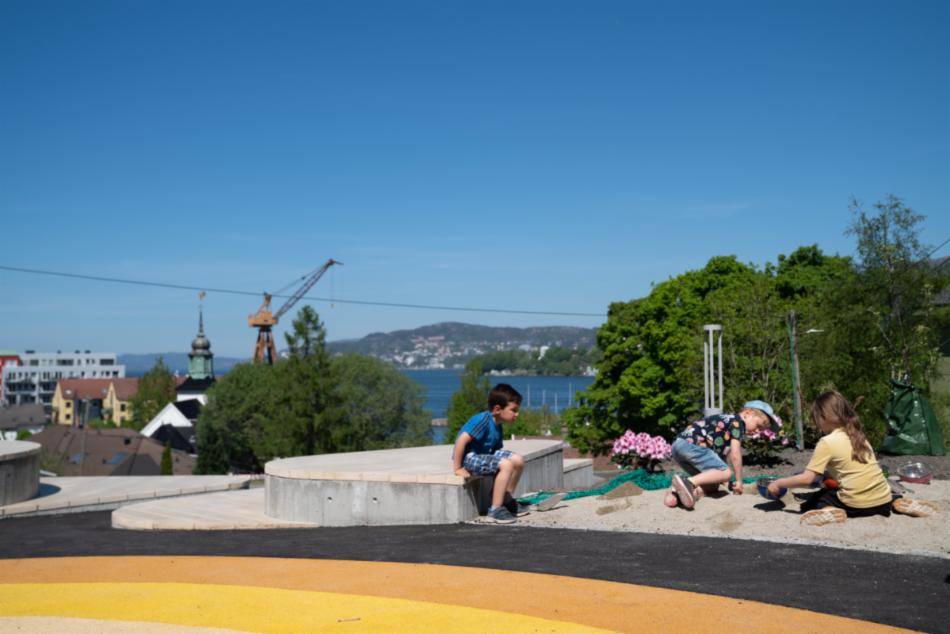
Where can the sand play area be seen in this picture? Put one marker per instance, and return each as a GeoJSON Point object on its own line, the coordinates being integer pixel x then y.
{"type": "Point", "coordinates": [749, 516]}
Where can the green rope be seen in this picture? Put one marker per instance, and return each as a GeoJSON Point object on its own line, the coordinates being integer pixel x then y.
{"type": "Point", "coordinates": [640, 477]}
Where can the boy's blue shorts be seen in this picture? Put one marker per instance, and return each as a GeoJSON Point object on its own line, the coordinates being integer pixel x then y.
{"type": "Point", "coordinates": [696, 458]}
{"type": "Point", "coordinates": [484, 463]}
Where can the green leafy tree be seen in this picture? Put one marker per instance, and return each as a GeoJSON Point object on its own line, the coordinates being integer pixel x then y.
{"type": "Point", "coordinates": [166, 466]}
{"type": "Point", "coordinates": [307, 404]}
{"type": "Point", "coordinates": [156, 390]}
{"type": "Point", "coordinates": [378, 406]}
{"type": "Point", "coordinates": [24, 434]}
{"type": "Point", "coordinates": [470, 399]}
{"type": "Point", "coordinates": [898, 284]}
{"type": "Point", "coordinates": [240, 428]}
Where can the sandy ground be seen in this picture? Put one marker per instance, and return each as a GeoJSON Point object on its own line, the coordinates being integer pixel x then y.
{"type": "Point", "coordinates": [750, 516]}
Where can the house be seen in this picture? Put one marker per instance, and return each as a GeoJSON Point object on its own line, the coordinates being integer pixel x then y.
{"type": "Point", "coordinates": [117, 405]}
{"type": "Point", "coordinates": [74, 451]}
{"type": "Point", "coordinates": [34, 379]}
{"type": "Point", "coordinates": [7, 358]}
{"type": "Point", "coordinates": [78, 401]}
{"type": "Point", "coordinates": [175, 424]}
{"type": "Point", "coordinates": [30, 417]}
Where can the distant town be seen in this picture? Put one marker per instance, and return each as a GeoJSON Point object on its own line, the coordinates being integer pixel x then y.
{"type": "Point", "coordinates": [79, 404]}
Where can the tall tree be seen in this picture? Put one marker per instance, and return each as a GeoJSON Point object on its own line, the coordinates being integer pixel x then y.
{"type": "Point", "coordinates": [470, 399]}
{"type": "Point", "coordinates": [156, 390]}
{"type": "Point", "coordinates": [898, 284]}
{"type": "Point", "coordinates": [378, 406]}
{"type": "Point", "coordinates": [166, 466]}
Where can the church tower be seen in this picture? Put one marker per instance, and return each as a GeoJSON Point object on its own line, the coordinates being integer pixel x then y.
{"type": "Point", "coordinates": [200, 359]}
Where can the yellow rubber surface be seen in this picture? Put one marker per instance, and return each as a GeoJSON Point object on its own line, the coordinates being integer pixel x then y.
{"type": "Point", "coordinates": [298, 595]}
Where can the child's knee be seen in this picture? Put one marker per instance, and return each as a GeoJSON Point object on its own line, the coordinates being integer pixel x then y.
{"type": "Point", "coordinates": [517, 461]}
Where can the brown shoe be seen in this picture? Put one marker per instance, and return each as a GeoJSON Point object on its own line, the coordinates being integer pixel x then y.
{"type": "Point", "coordinates": [820, 517]}
{"type": "Point", "coordinates": [914, 508]}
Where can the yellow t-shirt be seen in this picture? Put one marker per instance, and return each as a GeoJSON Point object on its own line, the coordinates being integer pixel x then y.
{"type": "Point", "coordinates": [859, 485]}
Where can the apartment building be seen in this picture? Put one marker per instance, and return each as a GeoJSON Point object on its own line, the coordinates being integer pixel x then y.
{"type": "Point", "coordinates": [34, 379]}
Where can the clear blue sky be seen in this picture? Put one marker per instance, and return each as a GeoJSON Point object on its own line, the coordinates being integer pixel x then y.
{"type": "Point", "coordinates": [546, 156]}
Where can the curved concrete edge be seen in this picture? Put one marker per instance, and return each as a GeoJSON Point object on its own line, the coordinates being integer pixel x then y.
{"type": "Point", "coordinates": [10, 449]}
{"type": "Point", "coordinates": [19, 471]}
{"type": "Point", "coordinates": [226, 510]}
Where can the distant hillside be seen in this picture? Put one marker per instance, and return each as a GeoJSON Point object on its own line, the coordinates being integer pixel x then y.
{"type": "Point", "coordinates": [451, 344]}
{"type": "Point", "coordinates": [139, 364]}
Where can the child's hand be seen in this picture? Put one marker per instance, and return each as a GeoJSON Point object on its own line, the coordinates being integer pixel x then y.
{"type": "Point", "coordinates": [774, 490]}
{"type": "Point", "coordinates": [463, 472]}
{"type": "Point", "coordinates": [737, 487]}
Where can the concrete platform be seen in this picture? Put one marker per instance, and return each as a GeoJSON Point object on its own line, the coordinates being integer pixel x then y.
{"type": "Point", "coordinates": [579, 474]}
{"type": "Point", "coordinates": [78, 494]}
{"type": "Point", "coordinates": [19, 471]}
{"type": "Point", "coordinates": [394, 486]}
{"type": "Point", "coordinates": [229, 510]}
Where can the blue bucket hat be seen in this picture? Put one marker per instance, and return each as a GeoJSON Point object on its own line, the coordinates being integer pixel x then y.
{"type": "Point", "coordinates": [766, 409]}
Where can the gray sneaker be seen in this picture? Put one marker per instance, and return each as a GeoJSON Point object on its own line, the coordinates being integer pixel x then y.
{"type": "Point", "coordinates": [500, 515]}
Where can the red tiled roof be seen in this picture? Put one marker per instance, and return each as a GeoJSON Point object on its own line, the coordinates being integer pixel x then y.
{"type": "Point", "coordinates": [84, 389]}
{"type": "Point", "coordinates": [125, 388]}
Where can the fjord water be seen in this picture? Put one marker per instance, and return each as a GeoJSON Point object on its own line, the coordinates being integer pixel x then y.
{"type": "Point", "coordinates": [557, 392]}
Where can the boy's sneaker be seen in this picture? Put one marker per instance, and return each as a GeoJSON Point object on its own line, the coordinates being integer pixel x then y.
{"type": "Point", "coordinates": [684, 491]}
{"type": "Point", "coordinates": [500, 515]}
{"type": "Point", "coordinates": [515, 507]}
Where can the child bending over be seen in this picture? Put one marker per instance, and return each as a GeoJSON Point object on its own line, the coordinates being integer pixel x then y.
{"type": "Point", "coordinates": [701, 450]}
{"type": "Point", "coordinates": [846, 456]}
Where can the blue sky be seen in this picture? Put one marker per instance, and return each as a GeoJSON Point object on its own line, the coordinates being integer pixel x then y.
{"type": "Point", "coordinates": [540, 156]}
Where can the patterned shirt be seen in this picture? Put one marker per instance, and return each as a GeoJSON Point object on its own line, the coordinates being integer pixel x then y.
{"type": "Point", "coordinates": [715, 432]}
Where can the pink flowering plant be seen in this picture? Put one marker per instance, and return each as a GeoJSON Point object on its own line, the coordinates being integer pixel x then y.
{"type": "Point", "coordinates": [640, 450]}
{"type": "Point", "coordinates": [762, 444]}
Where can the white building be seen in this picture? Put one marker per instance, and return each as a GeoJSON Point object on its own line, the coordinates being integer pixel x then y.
{"type": "Point", "coordinates": [34, 380]}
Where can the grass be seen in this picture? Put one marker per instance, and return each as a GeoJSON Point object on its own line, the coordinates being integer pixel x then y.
{"type": "Point", "coordinates": [940, 398]}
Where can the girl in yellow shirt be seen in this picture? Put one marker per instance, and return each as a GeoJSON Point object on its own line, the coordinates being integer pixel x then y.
{"type": "Point", "coordinates": [846, 456]}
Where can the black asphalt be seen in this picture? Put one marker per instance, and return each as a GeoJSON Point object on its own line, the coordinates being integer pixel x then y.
{"type": "Point", "coordinates": [901, 590]}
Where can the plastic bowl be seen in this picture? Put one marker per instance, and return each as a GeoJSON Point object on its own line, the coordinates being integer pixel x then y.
{"type": "Point", "coordinates": [915, 472]}
{"type": "Point", "coordinates": [763, 486]}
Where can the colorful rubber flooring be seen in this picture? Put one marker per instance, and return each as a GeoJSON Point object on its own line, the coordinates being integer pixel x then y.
{"type": "Point", "coordinates": [74, 573]}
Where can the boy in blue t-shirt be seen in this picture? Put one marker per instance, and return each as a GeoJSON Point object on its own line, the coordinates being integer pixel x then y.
{"type": "Point", "coordinates": [478, 451]}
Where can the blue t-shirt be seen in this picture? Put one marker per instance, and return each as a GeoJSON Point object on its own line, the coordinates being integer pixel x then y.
{"type": "Point", "coordinates": [486, 435]}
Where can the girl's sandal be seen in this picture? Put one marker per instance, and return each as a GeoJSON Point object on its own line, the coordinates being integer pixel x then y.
{"type": "Point", "coordinates": [820, 517]}
{"type": "Point", "coordinates": [914, 508]}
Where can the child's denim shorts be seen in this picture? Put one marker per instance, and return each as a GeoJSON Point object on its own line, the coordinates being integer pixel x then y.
{"type": "Point", "coordinates": [696, 458]}
{"type": "Point", "coordinates": [484, 463]}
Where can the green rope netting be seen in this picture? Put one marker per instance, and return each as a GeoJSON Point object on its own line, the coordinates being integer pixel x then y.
{"type": "Point", "coordinates": [640, 477]}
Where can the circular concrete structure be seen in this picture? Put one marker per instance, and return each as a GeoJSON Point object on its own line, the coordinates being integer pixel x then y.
{"type": "Point", "coordinates": [19, 471]}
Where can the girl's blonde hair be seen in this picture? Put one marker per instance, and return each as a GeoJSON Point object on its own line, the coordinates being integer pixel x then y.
{"type": "Point", "coordinates": [832, 410]}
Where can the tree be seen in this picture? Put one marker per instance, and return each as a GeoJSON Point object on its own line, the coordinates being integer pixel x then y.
{"type": "Point", "coordinates": [166, 466]}
{"type": "Point", "coordinates": [898, 284]}
{"type": "Point", "coordinates": [24, 434]}
{"type": "Point", "coordinates": [470, 399]}
{"type": "Point", "coordinates": [156, 390]}
{"type": "Point", "coordinates": [378, 406]}
{"type": "Point", "coordinates": [306, 404]}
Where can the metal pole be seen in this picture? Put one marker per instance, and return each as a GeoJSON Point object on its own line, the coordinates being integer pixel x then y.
{"type": "Point", "coordinates": [796, 395]}
{"type": "Point", "coordinates": [720, 371]}
{"type": "Point", "coordinates": [705, 375]}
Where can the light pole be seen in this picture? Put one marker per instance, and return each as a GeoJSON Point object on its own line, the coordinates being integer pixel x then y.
{"type": "Point", "coordinates": [796, 380]}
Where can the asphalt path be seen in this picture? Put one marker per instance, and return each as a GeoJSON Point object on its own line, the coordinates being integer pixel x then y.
{"type": "Point", "coordinates": [901, 590]}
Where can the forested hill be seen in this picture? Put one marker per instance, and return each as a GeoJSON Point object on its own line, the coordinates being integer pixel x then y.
{"type": "Point", "coordinates": [449, 344]}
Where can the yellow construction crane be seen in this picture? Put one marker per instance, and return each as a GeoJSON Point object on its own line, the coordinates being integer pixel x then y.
{"type": "Point", "coordinates": [264, 320]}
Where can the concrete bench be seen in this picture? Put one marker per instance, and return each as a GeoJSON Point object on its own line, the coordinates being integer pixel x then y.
{"type": "Point", "coordinates": [19, 471]}
{"type": "Point", "coordinates": [395, 486]}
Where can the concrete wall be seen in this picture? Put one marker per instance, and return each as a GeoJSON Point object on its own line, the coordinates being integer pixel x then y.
{"type": "Point", "coordinates": [19, 471]}
{"type": "Point", "coordinates": [359, 502]}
